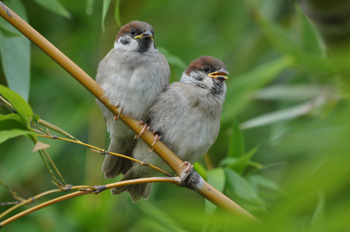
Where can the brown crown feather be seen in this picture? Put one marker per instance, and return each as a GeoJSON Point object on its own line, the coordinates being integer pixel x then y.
{"type": "Point", "coordinates": [141, 26]}
{"type": "Point", "coordinates": [205, 61]}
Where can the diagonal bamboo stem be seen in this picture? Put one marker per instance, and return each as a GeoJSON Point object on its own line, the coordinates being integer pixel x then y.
{"type": "Point", "coordinates": [164, 152]}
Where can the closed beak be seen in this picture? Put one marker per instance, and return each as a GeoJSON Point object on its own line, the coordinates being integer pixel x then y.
{"type": "Point", "coordinates": [145, 35]}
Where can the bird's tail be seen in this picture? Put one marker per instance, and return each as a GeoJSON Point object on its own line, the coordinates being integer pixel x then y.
{"type": "Point", "coordinates": [114, 165]}
{"type": "Point", "coordinates": [136, 191]}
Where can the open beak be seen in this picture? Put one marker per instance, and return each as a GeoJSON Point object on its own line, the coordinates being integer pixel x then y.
{"type": "Point", "coordinates": [145, 35]}
{"type": "Point", "coordinates": [219, 75]}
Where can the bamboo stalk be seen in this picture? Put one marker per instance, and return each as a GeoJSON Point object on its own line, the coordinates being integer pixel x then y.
{"type": "Point", "coordinates": [164, 152]}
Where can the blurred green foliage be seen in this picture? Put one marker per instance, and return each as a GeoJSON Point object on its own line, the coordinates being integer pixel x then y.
{"type": "Point", "coordinates": [283, 149]}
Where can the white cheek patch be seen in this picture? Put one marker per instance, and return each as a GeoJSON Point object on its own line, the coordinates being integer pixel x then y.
{"type": "Point", "coordinates": [208, 81]}
{"type": "Point", "coordinates": [185, 78]}
{"type": "Point", "coordinates": [133, 45]}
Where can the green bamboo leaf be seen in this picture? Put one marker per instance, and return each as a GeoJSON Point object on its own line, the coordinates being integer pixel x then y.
{"type": "Point", "coordinates": [159, 216]}
{"type": "Point", "coordinates": [300, 92]}
{"type": "Point", "coordinates": [227, 161]}
{"type": "Point", "coordinates": [105, 8]}
{"type": "Point", "coordinates": [241, 188]}
{"type": "Point", "coordinates": [35, 118]}
{"type": "Point", "coordinates": [54, 6]}
{"type": "Point", "coordinates": [242, 87]}
{"type": "Point", "coordinates": [89, 7]}
{"type": "Point", "coordinates": [284, 114]}
{"type": "Point", "coordinates": [236, 146]}
{"type": "Point", "coordinates": [318, 218]}
{"type": "Point", "coordinates": [216, 177]}
{"type": "Point", "coordinates": [15, 55]}
{"type": "Point", "coordinates": [11, 121]}
{"type": "Point", "coordinates": [201, 170]}
{"type": "Point", "coordinates": [285, 44]}
{"type": "Point", "coordinates": [117, 14]}
{"type": "Point", "coordinates": [261, 181]}
{"type": "Point", "coordinates": [239, 164]}
{"type": "Point", "coordinates": [8, 134]}
{"type": "Point", "coordinates": [310, 39]}
{"type": "Point", "coordinates": [11, 117]}
{"type": "Point", "coordinates": [20, 105]}
{"type": "Point", "coordinates": [172, 59]}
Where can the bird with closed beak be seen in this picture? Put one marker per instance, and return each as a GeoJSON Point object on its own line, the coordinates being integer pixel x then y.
{"type": "Point", "coordinates": [132, 74]}
{"type": "Point", "coordinates": [186, 116]}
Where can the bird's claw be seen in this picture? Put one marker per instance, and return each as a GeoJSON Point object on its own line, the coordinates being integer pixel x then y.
{"type": "Point", "coordinates": [144, 128]}
{"type": "Point", "coordinates": [156, 138]}
{"type": "Point", "coordinates": [120, 111]}
{"type": "Point", "coordinates": [186, 170]}
{"type": "Point", "coordinates": [140, 123]}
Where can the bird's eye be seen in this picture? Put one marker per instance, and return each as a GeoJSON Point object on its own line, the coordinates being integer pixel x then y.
{"type": "Point", "coordinates": [206, 69]}
{"type": "Point", "coordinates": [133, 31]}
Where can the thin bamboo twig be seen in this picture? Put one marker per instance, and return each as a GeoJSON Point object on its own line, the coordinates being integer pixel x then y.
{"type": "Point", "coordinates": [9, 203]}
{"type": "Point", "coordinates": [53, 127]}
{"type": "Point", "coordinates": [84, 79]}
{"type": "Point", "coordinates": [48, 167]}
{"type": "Point", "coordinates": [36, 197]}
{"type": "Point", "coordinates": [8, 104]}
{"type": "Point", "coordinates": [84, 191]}
{"type": "Point", "coordinates": [28, 201]}
{"type": "Point", "coordinates": [45, 204]}
{"type": "Point", "coordinates": [54, 167]}
{"type": "Point", "coordinates": [11, 191]}
{"type": "Point", "coordinates": [39, 130]}
{"type": "Point", "coordinates": [56, 128]}
{"type": "Point", "coordinates": [102, 151]}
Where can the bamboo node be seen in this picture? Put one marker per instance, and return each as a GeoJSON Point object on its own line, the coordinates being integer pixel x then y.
{"type": "Point", "coordinates": [99, 188]}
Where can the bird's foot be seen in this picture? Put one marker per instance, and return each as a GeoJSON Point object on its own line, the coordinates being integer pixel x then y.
{"type": "Point", "coordinates": [186, 170]}
{"type": "Point", "coordinates": [120, 111]}
{"type": "Point", "coordinates": [144, 128]}
{"type": "Point", "coordinates": [157, 137]}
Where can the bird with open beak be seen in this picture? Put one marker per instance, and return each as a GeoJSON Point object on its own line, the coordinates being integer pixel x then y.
{"type": "Point", "coordinates": [186, 117]}
{"type": "Point", "coordinates": [132, 74]}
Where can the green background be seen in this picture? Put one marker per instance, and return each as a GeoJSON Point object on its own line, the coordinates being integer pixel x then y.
{"type": "Point", "coordinates": [283, 148]}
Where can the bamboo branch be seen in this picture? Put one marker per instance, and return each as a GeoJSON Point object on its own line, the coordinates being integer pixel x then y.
{"type": "Point", "coordinates": [41, 122]}
{"type": "Point", "coordinates": [12, 192]}
{"type": "Point", "coordinates": [83, 190]}
{"type": "Point", "coordinates": [48, 168]}
{"type": "Point", "coordinates": [28, 201]}
{"type": "Point", "coordinates": [104, 152]}
{"type": "Point", "coordinates": [56, 128]}
{"type": "Point", "coordinates": [8, 104]}
{"type": "Point", "coordinates": [164, 152]}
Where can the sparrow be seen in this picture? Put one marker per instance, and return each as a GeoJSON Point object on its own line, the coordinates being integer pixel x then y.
{"type": "Point", "coordinates": [132, 75]}
{"type": "Point", "coordinates": [186, 117]}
